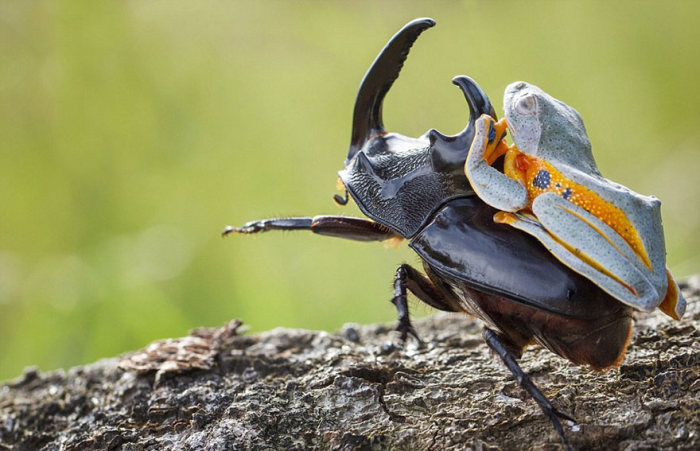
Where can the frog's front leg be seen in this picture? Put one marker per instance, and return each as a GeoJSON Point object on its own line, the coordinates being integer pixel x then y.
{"type": "Point", "coordinates": [492, 186]}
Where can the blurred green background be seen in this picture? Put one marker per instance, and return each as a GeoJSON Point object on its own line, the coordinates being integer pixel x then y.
{"type": "Point", "coordinates": [132, 132]}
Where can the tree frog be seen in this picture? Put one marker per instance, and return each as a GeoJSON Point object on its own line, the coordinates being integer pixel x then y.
{"type": "Point", "coordinates": [551, 188]}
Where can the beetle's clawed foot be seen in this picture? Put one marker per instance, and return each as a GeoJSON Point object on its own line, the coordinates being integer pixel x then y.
{"type": "Point", "coordinates": [554, 415]}
{"type": "Point", "coordinates": [405, 328]}
{"type": "Point", "coordinates": [248, 228]}
{"type": "Point", "coordinates": [228, 230]}
{"type": "Point", "coordinates": [564, 416]}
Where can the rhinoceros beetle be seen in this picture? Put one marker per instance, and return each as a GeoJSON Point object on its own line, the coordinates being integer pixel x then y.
{"type": "Point", "coordinates": [415, 189]}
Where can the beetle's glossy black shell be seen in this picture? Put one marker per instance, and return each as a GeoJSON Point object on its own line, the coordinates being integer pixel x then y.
{"type": "Point", "coordinates": [399, 181]}
{"type": "Point", "coordinates": [417, 187]}
{"type": "Point", "coordinates": [462, 241]}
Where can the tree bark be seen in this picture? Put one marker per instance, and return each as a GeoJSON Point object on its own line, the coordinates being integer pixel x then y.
{"type": "Point", "coordinates": [358, 389]}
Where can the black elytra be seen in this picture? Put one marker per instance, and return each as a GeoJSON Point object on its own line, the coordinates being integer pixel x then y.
{"type": "Point", "coordinates": [415, 188]}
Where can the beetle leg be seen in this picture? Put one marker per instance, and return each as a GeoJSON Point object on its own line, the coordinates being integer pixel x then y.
{"type": "Point", "coordinates": [498, 345]}
{"type": "Point", "coordinates": [263, 225]}
{"type": "Point", "coordinates": [338, 226]}
{"type": "Point", "coordinates": [409, 278]}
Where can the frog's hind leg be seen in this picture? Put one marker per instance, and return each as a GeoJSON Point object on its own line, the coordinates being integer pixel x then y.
{"type": "Point", "coordinates": [590, 247]}
{"type": "Point", "coordinates": [500, 346]}
{"type": "Point", "coordinates": [674, 303]}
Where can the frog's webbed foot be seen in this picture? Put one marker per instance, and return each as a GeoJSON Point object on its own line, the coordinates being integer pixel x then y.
{"type": "Point", "coordinates": [495, 144]}
{"type": "Point", "coordinates": [590, 247]}
{"type": "Point", "coordinates": [492, 186]}
{"type": "Point", "coordinates": [674, 303]}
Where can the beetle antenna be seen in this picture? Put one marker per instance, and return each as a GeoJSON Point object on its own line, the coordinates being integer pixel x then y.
{"type": "Point", "coordinates": [341, 200]}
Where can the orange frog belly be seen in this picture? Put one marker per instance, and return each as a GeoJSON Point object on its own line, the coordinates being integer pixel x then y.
{"type": "Point", "coordinates": [539, 177]}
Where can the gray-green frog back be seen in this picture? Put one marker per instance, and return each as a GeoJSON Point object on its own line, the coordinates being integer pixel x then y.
{"type": "Point", "coordinates": [548, 129]}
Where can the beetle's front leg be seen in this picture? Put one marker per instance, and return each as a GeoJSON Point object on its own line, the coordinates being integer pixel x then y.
{"type": "Point", "coordinates": [409, 278]}
{"type": "Point", "coordinates": [356, 229]}
{"type": "Point", "coordinates": [498, 345]}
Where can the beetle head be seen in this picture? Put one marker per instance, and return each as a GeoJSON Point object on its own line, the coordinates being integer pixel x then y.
{"type": "Point", "coordinates": [401, 181]}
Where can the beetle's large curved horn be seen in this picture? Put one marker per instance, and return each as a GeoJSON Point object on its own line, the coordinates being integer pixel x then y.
{"type": "Point", "coordinates": [367, 117]}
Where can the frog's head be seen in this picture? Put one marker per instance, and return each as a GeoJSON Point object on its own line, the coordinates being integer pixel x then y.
{"type": "Point", "coordinates": [547, 128]}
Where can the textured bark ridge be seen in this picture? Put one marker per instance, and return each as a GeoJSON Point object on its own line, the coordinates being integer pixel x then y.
{"type": "Point", "coordinates": [356, 389]}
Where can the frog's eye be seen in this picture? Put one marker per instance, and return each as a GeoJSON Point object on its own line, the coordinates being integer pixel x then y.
{"type": "Point", "coordinates": [526, 105]}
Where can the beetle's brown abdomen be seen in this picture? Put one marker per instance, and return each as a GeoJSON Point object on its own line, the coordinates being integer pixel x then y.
{"type": "Point", "coordinates": [599, 340]}
{"type": "Point", "coordinates": [508, 279]}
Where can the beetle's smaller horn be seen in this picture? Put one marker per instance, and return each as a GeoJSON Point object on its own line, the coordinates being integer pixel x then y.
{"type": "Point", "coordinates": [477, 100]}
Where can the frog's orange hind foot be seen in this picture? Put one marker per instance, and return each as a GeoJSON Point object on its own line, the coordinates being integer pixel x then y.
{"type": "Point", "coordinates": [674, 303]}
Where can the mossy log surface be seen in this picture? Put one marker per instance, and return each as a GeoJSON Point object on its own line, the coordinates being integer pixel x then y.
{"type": "Point", "coordinates": [357, 389]}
